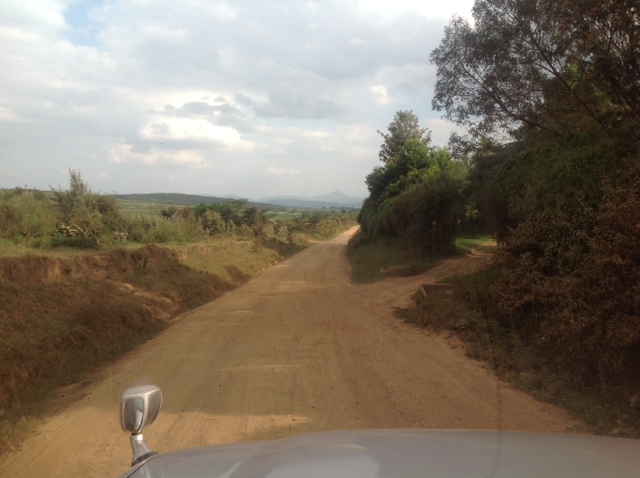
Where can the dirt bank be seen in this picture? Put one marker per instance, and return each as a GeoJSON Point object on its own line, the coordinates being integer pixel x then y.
{"type": "Point", "coordinates": [297, 349]}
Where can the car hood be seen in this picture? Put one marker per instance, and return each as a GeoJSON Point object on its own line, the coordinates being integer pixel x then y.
{"type": "Point", "coordinates": [405, 453]}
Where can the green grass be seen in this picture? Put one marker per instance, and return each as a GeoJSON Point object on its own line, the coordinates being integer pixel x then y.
{"type": "Point", "coordinates": [139, 208]}
{"type": "Point", "coordinates": [466, 244]}
{"type": "Point", "coordinates": [375, 261]}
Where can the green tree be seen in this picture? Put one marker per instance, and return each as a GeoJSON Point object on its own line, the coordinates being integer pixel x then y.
{"type": "Point", "coordinates": [313, 220]}
{"type": "Point", "coordinates": [562, 77]}
{"type": "Point", "coordinates": [413, 155]}
{"type": "Point", "coordinates": [212, 222]}
{"type": "Point", "coordinates": [386, 182]}
{"type": "Point", "coordinates": [252, 217]}
{"type": "Point", "coordinates": [27, 215]}
{"type": "Point", "coordinates": [604, 37]}
{"type": "Point", "coordinates": [405, 126]}
{"type": "Point", "coordinates": [86, 215]}
{"type": "Point", "coordinates": [415, 197]}
{"type": "Point", "coordinates": [548, 66]}
{"type": "Point", "coordinates": [426, 210]}
{"type": "Point", "coordinates": [72, 202]}
{"type": "Point", "coordinates": [233, 211]}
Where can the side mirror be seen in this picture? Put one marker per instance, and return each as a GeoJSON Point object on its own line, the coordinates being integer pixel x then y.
{"type": "Point", "coordinates": [139, 408]}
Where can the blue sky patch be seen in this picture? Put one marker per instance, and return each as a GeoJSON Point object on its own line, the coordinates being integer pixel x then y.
{"type": "Point", "coordinates": [83, 31]}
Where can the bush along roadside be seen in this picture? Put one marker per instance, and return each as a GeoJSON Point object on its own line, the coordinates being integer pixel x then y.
{"type": "Point", "coordinates": [468, 306]}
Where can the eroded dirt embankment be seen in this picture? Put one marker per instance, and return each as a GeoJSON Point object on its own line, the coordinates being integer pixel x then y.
{"type": "Point", "coordinates": [61, 317]}
{"type": "Point", "coordinates": [51, 270]}
{"type": "Point", "coordinates": [297, 349]}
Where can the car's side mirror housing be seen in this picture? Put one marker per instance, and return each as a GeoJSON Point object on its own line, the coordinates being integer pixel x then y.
{"type": "Point", "coordinates": [139, 408]}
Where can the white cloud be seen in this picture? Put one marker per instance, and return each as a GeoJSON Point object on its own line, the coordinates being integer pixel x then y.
{"type": "Point", "coordinates": [136, 92]}
{"type": "Point", "coordinates": [276, 171]}
{"type": "Point", "coordinates": [441, 129]}
{"type": "Point", "coordinates": [190, 129]}
{"type": "Point", "coordinates": [380, 94]}
{"type": "Point", "coordinates": [43, 13]}
{"type": "Point", "coordinates": [123, 153]}
{"type": "Point", "coordinates": [223, 11]}
{"type": "Point", "coordinates": [316, 134]}
{"type": "Point", "coordinates": [443, 10]}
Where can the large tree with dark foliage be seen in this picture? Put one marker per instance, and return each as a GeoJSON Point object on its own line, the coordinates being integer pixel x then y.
{"type": "Point", "coordinates": [405, 126]}
{"type": "Point", "coordinates": [551, 66]}
{"type": "Point", "coordinates": [562, 79]}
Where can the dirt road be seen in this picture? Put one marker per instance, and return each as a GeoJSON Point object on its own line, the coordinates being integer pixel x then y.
{"type": "Point", "coordinates": [297, 349]}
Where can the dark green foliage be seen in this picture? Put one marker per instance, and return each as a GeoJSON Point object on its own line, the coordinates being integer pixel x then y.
{"type": "Point", "coordinates": [26, 215]}
{"type": "Point", "coordinates": [563, 79]}
{"type": "Point", "coordinates": [426, 212]}
{"type": "Point", "coordinates": [85, 218]}
{"type": "Point", "coordinates": [416, 197]}
{"type": "Point", "coordinates": [569, 283]}
{"type": "Point", "coordinates": [167, 212]}
{"type": "Point", "coordinates": [72, 203]}
{"type": "Point", "coordinates": [78, 218]}
{"type": "Point", "coordinates": [76, 242]}
{"type": "Point", "coordinates": [405, 126]}
{"type": "Point", "coordinates": [548, 67]}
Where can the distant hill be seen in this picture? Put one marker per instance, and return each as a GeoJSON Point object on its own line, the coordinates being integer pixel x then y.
{"type": "Point", "coordinates": [334, 200]}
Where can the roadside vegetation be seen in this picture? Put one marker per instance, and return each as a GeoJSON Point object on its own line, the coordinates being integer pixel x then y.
{"type": "Point", "coordinates": [83, 282]}
{"type": "Point", "coordinates": [78, 218]}
{"type": "Point", "coordinates": [549, 92]}
{"type": "Point", "coordinates": [463, 306]}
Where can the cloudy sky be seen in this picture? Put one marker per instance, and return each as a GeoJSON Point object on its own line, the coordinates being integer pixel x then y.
{"type": "Point", "coordinates": [252, 98]}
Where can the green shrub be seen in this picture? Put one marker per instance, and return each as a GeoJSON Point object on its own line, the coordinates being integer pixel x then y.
{"type": "Point", "coordinates": [568, 284]}
{"type": "Point", "coordinates": [26, 215]}
{"type": "Point", "coordinates": [77, 242]}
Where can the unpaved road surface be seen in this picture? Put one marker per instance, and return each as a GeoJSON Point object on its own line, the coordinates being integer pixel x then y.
{"type": "Point", "coordinates": [297, 349]}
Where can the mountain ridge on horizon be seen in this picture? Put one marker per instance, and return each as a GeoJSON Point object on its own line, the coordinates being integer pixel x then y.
{"type": "Point", "coordinates": [329, 197]}
{"type": "Point", "coordinates": [335, 199]}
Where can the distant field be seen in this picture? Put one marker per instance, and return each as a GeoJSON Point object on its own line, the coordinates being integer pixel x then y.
{"type": "Point", "coordinates": [150, 204]}
{"type": "Point", "coordinates": [143, 208]}
{"type": "Point", "coordinates": [171, 199]}
{"type": "Point", "coordinates": [140, 208]}
{"type": "Point", "coordinates": [162, 200]}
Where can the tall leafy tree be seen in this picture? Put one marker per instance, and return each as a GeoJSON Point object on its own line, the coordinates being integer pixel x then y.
{"type": "Point", "coordinates": [604, 38]}
{"type": "Point", "coordinates": [73, 201]}
{"type": "Point", "coordinates": [563, 78]}
{"type": "Point", "coordinates": [405, 126]}
{"type": "Point", "coordinates": [414, 196]}
{"type": "Point", "coordinates": [383, 180]}
{"type": "Point", "coordinates": [544, 65]}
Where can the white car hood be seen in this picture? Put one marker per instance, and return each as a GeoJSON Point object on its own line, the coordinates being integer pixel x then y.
{"type": "Point", "coordinates": [405, 453]}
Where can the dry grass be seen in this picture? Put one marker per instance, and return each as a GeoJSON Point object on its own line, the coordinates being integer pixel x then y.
{"type": "Point", "coordinates": [219, 256]}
